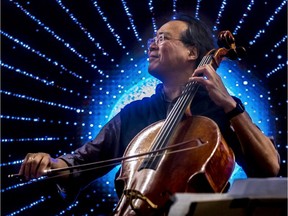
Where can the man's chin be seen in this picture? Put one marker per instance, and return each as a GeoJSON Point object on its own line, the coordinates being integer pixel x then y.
{"type": "Point", "coordinates": [152, 68]}
{"type": "Point", "coordinates": [155, 73]}
{"type": "Point", "coordinates": [152, 71]}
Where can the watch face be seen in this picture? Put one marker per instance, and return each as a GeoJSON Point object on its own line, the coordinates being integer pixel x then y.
{"type": "Point", "coordinates": [241, 106]}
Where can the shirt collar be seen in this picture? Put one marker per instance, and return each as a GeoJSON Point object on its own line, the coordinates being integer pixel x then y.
{"type": "Point", "coordinates": [160, 91]}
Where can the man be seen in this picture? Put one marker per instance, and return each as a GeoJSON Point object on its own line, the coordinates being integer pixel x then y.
{"type": "Point", "coordinates": [174, 55]}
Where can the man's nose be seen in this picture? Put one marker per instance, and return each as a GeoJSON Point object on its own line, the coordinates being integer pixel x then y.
{"type": "Point", "coordinates": [153, 46]}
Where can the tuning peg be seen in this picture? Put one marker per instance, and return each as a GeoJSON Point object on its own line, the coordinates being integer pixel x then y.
{"type": "Point", "coordinates": [225, 39]}
{"type": "Point", "coordinates": [230, 39]}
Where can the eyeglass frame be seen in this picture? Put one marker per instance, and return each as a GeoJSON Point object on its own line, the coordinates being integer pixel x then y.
{"type": "Point", "coordinates": [159, 39]}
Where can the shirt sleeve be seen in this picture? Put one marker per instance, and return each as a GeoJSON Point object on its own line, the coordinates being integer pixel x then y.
{"type": "Point", "coordinates": [105, 146]}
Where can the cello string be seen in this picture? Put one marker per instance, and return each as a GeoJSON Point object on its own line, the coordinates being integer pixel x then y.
{"type": "Point", "coordinates": [183, 98]}
{"type": "Point", "coordinates": [178, 106]}
{"type": "Point", "coordinates": [190, 89]}
{"type": "Point", "coordinates": [177, 111]}
{"type": "Point", "coordinates": [176, 114]}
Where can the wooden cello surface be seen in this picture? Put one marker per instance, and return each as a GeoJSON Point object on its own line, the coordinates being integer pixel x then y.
{"type": "Point", "coordinates": [201, 161]}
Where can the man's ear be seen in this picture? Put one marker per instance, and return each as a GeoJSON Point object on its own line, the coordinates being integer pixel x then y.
{"type": "Point", "coordinates": [193, 53]}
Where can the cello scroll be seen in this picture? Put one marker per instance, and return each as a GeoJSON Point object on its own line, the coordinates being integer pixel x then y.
{"type": "Point", "coordinates": [228, 49]}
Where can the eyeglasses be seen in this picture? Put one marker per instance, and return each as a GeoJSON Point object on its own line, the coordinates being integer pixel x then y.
{"type": "Point", "coordinates": [158, 40]}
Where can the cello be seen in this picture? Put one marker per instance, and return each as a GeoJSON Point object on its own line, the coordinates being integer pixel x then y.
{"type": "Point", "coordinates": [183, 153]}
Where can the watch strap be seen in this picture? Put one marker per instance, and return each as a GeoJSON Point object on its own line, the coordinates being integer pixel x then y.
{"type": "Point", "coordinates": [236, 111]}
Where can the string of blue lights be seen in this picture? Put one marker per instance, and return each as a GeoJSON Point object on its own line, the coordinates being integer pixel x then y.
{"type": "Point", "coordinates": [270, 19]}
{"type": "Point", "coordinates": [26, 46]}
{"type": "Point", "coordinates": [83, 29]}
{"type": "Point", "coordinates": [217, 22]}
{"type": "Point", "coordinates": [57, 37]}
{"type": "Point", "coordinates": [242, 20]}
{"type": "Point", "coordinates": [111, 29]}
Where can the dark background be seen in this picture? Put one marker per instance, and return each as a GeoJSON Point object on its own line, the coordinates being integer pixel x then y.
{"type": "Point", "coordinates": [32, 29]}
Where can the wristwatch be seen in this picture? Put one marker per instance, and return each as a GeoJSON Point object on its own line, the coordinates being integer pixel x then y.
{"type": "Point", "coordinates": [236, 111]}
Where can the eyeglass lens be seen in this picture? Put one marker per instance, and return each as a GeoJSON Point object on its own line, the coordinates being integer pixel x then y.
{"type": "Point", "coordinates": [157, 40]}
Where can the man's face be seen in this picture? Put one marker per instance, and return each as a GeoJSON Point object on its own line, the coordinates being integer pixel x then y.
{"type": "Point", "coordinates": [168, 55]}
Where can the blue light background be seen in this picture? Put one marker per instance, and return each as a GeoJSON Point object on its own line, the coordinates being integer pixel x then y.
{"type": "Point", "coordinates": [51, 59]}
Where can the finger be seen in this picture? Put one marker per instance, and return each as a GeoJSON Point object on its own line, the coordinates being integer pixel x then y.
{"type": "Point", "coordinates": [204, 71]}
{"type": "Point", "coordinates": [43, 165]}
{"type": "Point", "coordinates": [23, 165]}
{"type": "Point", "coordinates": [35, 162]}
{"type": "Point", "coordinates": [200, 80]}
{"type": "Point", "coordinates": [27, 169]}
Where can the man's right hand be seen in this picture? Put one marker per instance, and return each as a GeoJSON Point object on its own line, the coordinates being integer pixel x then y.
{"type": "Point", "coordinates": [36, 165]}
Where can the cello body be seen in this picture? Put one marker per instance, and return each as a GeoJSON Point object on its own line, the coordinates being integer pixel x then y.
{"type": "Point", "coordinates": [197, 160]}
